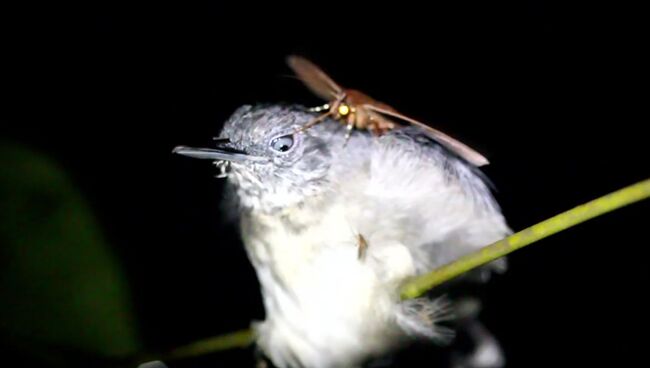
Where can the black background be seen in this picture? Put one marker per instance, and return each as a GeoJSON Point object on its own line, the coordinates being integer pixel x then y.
{"type": "Point", "coordinates": [549, 92]}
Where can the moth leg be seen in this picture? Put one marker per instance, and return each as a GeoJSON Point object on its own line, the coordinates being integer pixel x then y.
{"type": "Point", "coordinates": [349, 126]}
{"type": "Point", "coordinates": [348, 133]}
{"type": "Point", "coordinates": [319, 108]}
{"type": "Point", "coordinates": [374, 128]}
{"type": "Point", "coordinates": [379, 124]}
{"type": "Point", "coordinates": [315, 121]}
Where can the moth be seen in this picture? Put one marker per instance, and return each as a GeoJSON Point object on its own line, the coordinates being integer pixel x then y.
{"type": "Point", "coordinates": [357, 110]}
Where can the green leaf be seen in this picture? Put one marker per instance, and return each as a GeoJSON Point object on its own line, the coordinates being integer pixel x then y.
{"type": "Point", "coordinates": [60, 284]}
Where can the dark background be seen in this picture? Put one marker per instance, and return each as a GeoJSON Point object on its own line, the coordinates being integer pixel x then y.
{"type": "Point", "coordinates": [549, 92]}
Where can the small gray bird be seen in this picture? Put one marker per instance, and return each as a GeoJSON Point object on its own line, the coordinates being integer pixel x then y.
{"type": "Point", "coordinates": [333, 227]}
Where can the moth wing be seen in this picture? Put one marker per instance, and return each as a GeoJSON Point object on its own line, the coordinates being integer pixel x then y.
{"type": "Point", "coordinates": [453, 144]}
{"type": "Point", "coordinates": [314, 78]}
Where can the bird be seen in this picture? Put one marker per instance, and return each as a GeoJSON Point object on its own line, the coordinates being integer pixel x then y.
{"type": "Point", "coordinates": [307, 201]}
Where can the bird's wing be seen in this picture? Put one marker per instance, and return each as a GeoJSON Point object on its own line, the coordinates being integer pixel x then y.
{"type": "Point", "coordinates": [419, 194]}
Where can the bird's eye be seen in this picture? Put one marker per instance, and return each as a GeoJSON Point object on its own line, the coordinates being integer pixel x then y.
{"type": "Point", "coordinates": [283, 143]}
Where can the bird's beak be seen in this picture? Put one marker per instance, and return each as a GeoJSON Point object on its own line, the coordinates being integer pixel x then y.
{"type": "Point", "coordinates": [217, 154]}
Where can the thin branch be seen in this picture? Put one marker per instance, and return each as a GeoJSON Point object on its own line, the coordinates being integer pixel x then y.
{"type": "Point", "coordinates": [233, 340]}
{"type": "Point", "coordinates": [421, 284]}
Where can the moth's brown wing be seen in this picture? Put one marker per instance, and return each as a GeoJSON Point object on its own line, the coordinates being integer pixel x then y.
{"type": "Point", "coordinates": [314, 78]}
{"type": "Point", "coordinates": [454, 145]}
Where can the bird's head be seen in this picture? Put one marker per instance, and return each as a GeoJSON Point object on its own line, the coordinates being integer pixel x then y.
{"type": "Point", "coordinates": [271, 163]}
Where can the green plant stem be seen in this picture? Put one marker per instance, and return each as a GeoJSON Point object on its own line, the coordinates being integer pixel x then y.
{"type": "Point", "coordinates": [237, 339]}
{"type": "Point", "coordinates": [421, 284]}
